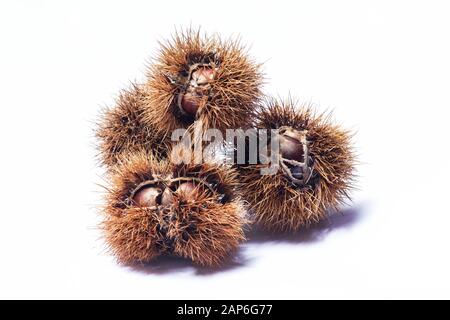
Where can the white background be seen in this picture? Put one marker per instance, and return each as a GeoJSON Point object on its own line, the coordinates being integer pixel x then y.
{"type": "Point", "coordinates": [383, 66]}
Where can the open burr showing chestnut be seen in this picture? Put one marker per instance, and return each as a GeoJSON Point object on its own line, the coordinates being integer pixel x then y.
{"type": "Point", "coordinates": [315, 168]}
{"type": "Point", "coordinates": [157, 208]}
{"type": "Point", "coordinates": [202, 78]}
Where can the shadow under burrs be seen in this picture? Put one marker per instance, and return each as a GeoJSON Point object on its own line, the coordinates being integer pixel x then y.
{"type": "Point", "coordinates": [343, 219]}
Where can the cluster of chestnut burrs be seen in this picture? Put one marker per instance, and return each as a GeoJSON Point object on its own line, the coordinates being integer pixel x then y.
{"type": "Point", "coordinates": [156, 205]}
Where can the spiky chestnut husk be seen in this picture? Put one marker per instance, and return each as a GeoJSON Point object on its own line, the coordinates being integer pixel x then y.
{"type": "Point", "coordinates": [316, 182]}
{"type": "Point", "coordinates": [121, 129]}
{"type": "Point", "coordinates": [157, 208]}
{"type": "Point", "coordinates": [199, 77]}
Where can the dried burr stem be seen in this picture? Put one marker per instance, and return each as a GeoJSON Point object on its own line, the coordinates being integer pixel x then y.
{"type": "Point", "coordinates": [158, 208]}
{"type": "Point", "coordinates": [316, 169]}
{"type": "Point", "coordinates": [121, 129]}
{"type": "Point", "coordinates": [196, 77]}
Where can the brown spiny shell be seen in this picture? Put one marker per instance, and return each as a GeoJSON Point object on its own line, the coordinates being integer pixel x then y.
{"type": "Point", "coordinates": [278, 203]}
{"type": "Point", "coordinates": [226, 100]}
{"type": "Point", "coordinates": [205, 226]}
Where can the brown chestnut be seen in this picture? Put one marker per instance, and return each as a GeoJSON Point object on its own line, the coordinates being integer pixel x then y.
{"type": "Point", "coordinates": [190, 103]}
{"type": "Point", "coordinates": [147, 197]}
{"type": "Point", "coordinates": [291, 148]}
{"type": "Point", "coordinates": [188, 191]}
{"type": "Point", "coordinates": [191, 99]}
{"type": "Point", "coordinates": [167, 197]}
